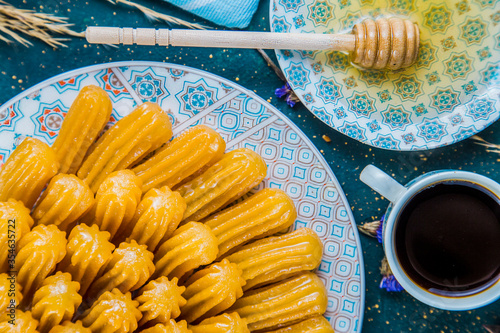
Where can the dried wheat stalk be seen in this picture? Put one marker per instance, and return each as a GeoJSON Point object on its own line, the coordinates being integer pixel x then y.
{"type": "Point", "coordinates": [493, 148]}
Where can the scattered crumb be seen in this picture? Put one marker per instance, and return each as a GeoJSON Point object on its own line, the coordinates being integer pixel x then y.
{"type": "Point", "coordinates": [326, 138]}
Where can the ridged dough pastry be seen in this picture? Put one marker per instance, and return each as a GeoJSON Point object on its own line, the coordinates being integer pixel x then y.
{"type": "Point", "coordinates": [212, 290]}
{"type": "Point", "coordinates": [40, 251]}
{"type": "Point", "coordinates": [113, 312]}
{"type": "Point", "coordinates": [125, 143]}
{"type": "Point", "coordinates": [55, 301]}
{"type": "Point", "coordinates": [23, 323]}
{"type": "Point", "coordinates": [224, 323]}
{"type": "Point", "coordinates": [227, 180]}
{"type": "Point", "coordinates": [64, 201]}
{"type": "Point", "coordinates": [9, 297]}
{"type": "Point", "coordinates": [27, 171]}
{"type": "Point", "coordinates": [191, 246]}
{"type": "Point", "coordinates": [69, 327]}
{"type": "Point", "coordinates": [316, 324]}
{"type": "Point", "coordinates": [275, 258]}
{"type": "Point", "coordinates": [86, 118]}
{"type": "Point", "coordinates": [159, 301]}
{"type": "Point", "coordinates": [171, 327]}
{"type": "Point", "coordinates": [87, 252]}
{"type": "Point", "coordinates": [284, 303]}
{"type": "Point", "coordinates": [115, 202]}
{"type": "Point", "coordinates": [264, 213]}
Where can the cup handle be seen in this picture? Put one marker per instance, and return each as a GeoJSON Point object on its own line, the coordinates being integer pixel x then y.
{"type": "Point", "coordinates": [382, 183]}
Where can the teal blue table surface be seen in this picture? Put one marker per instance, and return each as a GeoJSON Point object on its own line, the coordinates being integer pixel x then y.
{"type": "Point", "coordinates": [23, 67]}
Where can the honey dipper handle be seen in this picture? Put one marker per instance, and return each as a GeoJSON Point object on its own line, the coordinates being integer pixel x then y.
{"type": "Point", "coordinates": [220, 38]}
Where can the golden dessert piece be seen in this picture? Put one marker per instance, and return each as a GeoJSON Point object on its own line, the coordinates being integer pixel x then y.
{"type": "Point", "coordinates": [264, 213]}
{"type": "Point", "coordinates": [187, 156]}
{"type": "Point", "coordinates": [10, 292]}
{"type": "Point", "coordinates": [212, 290]}
{"type": "Point", "coordinates": [191, 246]}
{"type": "Point", "coordinates": [156, 218]}
{"type": "Point", "coordinates": [225, 323]}
{"type": "Point", "coordinates": [69, 327]}
{"type": "Point", "coordinates": [55, 301]}
{"type": "Point", "coordinates": [113, 312]}
{"type": "Point", "coordinates": [125, 143]}
{"type": "Point", "coordinates": [130, 267]}
{"type": "Point", "coordinates": [18, 322]}
{"type": "Point", "coordinates": [115, 201]}
{"type": "Point", "coordinates": [86, 118]}
{"type": "Point", "coordinates": [227, 180]}
{"type": "Point", "coordinates": [159, 301]}
{"type": "Point", "coordinates": [65, 199]}
{"type": "Point", "coordinates": [171, 327]}
{"type": "Point", "coordinates": [15, 222]}
{"type": "Point", "coordinates": [40, 251]}
{"type": "Point", "coordinates": [27, 171]}
{"type": "Point", "coordinates": [284, 303]}
{"type": "Point", "coordinates": [276, 258]}
{"type": "Point", "coordinates": [88, 250]}
{"type": "Point", "coordinates": [316, 324]}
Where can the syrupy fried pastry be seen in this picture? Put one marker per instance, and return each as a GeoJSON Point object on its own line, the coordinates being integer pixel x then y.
{"type": "Point", "coordinates": [191, 246]}
{"type": "Point", "coordinates": [284, 303]}
{"type": "Point", "coordinates": [69, 327]}
{"type": "Point", "coordinates": [87, 252]}
{"type": "Point", "coordinates": [115, 202]}
{"type": "Point", "coordinates": [185, 157]}
{"type": "Point", "coordinates": [86, 118]}
{"type": "Point", "coordinates": [10, 292]}
{"type": "Point", "coordinates": [113, 312]}
{"type": "Point", "coordinates": [224, 323]}
{"type": "Point", "coordinates": [40, 251]}
{"type": "Point", "coordinates": [212, 290]}
{"type": "Point", "coordinates": [130, 267]}
{"type": "Point", "coordinates": [156, 218]}
{"type": "Point", "coordinates": [128, 141]}
{"type": "Point", "coordinates": [227, 180]}
{"type": "Point", "coordinates": [263, 214]}
{"type": "Point", "coordinates": [275, 258]}
{"type": "Point", "coordinates": [159, 301]}
{"type": "Point", "coordinates": [15, 222]}
{"type": "Point", "coordinates": [55, 301]}
{"type": "Point", "coordinates": [171, 327]}
{"type": "Point", "coordinates": [64, 201]}
{"type": "Point", "coordinates": [26, 172]}
{"type": "Point", "coordinates": [316, 324]}
{"type": "Point", "coordinates": [23, 322]}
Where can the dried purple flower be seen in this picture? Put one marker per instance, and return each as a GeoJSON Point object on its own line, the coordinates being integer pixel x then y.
{"type": "Point", "coordinates": [291, 99]}
{"type": "Point", "coordinates": [379, 229]}
{"type": "Point", "coordinates": [285, 90]}
{"type": "Point", "coordinates": [390, 283]}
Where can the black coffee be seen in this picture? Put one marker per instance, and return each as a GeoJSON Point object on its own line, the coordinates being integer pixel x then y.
{"type": "Point", "coordinates": [448, 238]}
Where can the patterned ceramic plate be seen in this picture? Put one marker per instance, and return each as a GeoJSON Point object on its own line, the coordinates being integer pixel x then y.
{"type": "Point", "coordinates": [244, 120]}
{"type": "Point", "coordinates": [451, 93]}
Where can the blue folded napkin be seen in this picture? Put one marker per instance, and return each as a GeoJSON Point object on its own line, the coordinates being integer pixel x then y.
{"type": "Point", "coordinates": [229, 13]}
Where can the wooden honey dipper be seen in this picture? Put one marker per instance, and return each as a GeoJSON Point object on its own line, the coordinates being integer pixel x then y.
{"type": "Point", "coordinates": [383, 43]}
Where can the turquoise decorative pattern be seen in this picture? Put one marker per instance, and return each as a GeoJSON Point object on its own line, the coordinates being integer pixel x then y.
{"type": "Point", "coordinates": [450, 93]}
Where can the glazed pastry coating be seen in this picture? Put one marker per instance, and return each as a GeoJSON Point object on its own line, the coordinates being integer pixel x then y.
{"type": "Point", "coordinates": [283, 303]}
{"type": "Point", "coordinates": [316, 324]}
{"type": "Point", "coordinates": [191, 246]}
{"type": "Point", "coordinates": [40, 251]}
{"type": "Point", "coordinates": [86, 118]}
{"type": "Point", "coordinates": [224, 323]}
{"type": "Point", "coordinates": [186, 156]}
{"type": "Point", "coordinates": [113, 312]}
{"type": "Point", "coordinates": [275, 258]}
{"type": "Point", "coordinates": [56, 301]}
{"type": "Point", "coordinates": [212, 290]}
{"type": "Point", "coordinates": [227, 180]}
{"type": "Point", "coordinates": [156, 218]}
{"type": "Point", "coordinates": [130, 267]}
{"type": "Point", "coordinates": [65, 199]}
{"type": "Point", "coordinates": [9, 297]}
{"type": "Point", "coordinates": [125, 143]}
{"type": "Point", "coordinates": [69, 327]}
{"type": "Point", "coordinates": [88, 250]}
{"type": "Point", "coordinates": [171, 327]}
{"type": "Point", "coordinates": [264, 213]}
{"type": "Point", "coordinates": [15, 220]}
{"type": "Point", "coordinates": [115, 202]}
{"type": "Point", "coordinates": [27, 171]}
{"type": "Point", "coordinates": [24, 322]}
{"type": "Point", "coordinates": [159, 301]}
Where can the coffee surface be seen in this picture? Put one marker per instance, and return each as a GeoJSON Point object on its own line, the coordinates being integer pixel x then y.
{"type": "Point", "coordinates": [448, 238]}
